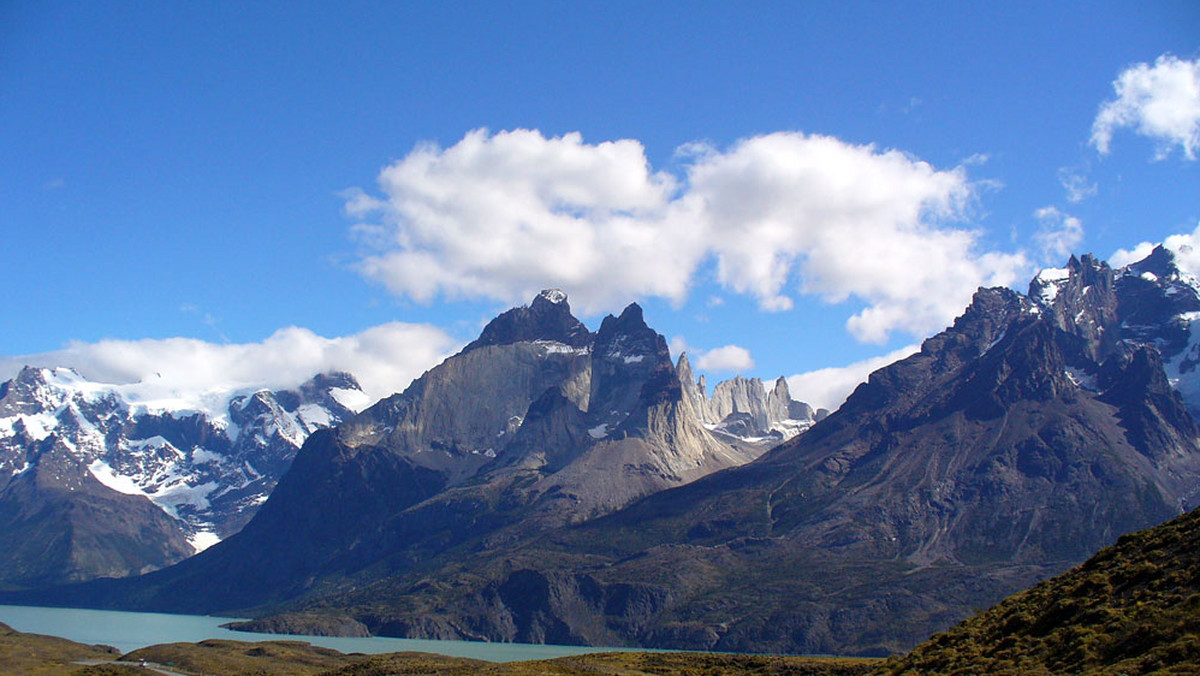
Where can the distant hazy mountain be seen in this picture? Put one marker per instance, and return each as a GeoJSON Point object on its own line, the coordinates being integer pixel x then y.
{"type": "Point", "coordinates": [95, 485]}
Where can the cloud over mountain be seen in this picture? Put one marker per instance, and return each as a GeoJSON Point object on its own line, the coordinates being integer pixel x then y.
{"type": "Point", "coordinates": [1185, 246]}
{"type": "Point", "coordinates": [502, 215]}
{"type": "Point", "coordinates": [829, 387]}
{"type": "Point", "coordinates": [384, 359]}
{"type": "Point", "coordinates": [725, 358]}
{"type": "Point", "coordinates": [1161, 102]}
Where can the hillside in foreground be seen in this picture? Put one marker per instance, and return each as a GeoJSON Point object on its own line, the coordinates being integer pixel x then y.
{"type": "Point", "coordinates": [1133, 608]}
{"type": "Point", "coordinates": [34, 654]}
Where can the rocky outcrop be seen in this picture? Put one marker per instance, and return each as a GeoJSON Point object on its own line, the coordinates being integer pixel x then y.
{"type": "Point", "coordinates": [743, 409]}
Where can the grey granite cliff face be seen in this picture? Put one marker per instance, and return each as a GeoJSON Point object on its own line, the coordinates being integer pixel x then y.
{"type": "Point", "coordinates": [743, 408]}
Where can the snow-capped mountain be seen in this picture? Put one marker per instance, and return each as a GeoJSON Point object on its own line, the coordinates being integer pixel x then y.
{"type": "Point", "coordinates": [1150, 302]}
{"type": "Point", "coordinates": [208, 463]}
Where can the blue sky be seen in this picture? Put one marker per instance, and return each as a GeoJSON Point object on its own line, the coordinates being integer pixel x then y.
{"type": "Point", "coordinates": [212, 171]}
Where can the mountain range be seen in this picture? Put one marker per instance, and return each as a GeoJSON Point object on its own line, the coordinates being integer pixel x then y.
{"type": "Point", "coordinates": [125, 486]}
{"type": "Point", "coordinates": [550, 484]}
{"type": "Point", "coordinates": [96, 483]}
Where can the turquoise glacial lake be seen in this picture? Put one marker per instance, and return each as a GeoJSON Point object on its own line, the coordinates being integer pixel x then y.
{"type": "Point", "coordinates": [129, 631]}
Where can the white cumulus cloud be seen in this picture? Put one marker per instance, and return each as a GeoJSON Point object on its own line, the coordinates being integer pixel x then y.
{"type": "Point", "coordinates": [1123, 257]}
{"type": "Point", "coordinates": [726, 358]}
{"type": "Point", "coordinates": [1161, 102]}
{"type": "Point", "coordinates": [384, 359]}
{"type": "Point", "coordinates": [502, 215]}
{"type": "Point", "coordinates": [1185, 246]}
{"type": "Point", "coordinates": [828, 387]}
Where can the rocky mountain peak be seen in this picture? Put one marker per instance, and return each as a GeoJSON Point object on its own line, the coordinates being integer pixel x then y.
{"type": "Point", "coordinates": [743, 408]}
{"type": "Point", "coordinates": [630, 321]}
{"type": "Point", "coordinates": [1081, 300]}
{"type": "Point", "coordinates": [548, 317]}
{"type": "Point", "coordinates": [684, 368]}
{"type": "Point", "coordinates": [552, 296]}
{"type": "Point", "coordinates": [29, 392]}
{"type": "Point", "coordinates": [628, 339]}
{"type": "Point", "coordinates": [1160, 263]}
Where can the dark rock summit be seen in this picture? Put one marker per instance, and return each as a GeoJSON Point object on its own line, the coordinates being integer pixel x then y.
{"type": "Point", "coordinates": [547, 318]}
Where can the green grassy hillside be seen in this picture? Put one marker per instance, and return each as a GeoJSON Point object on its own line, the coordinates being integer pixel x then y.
{"type": "Point", "coordinates": [37, 655]}
{"type": "Point", "coordinates": [1133, 608]}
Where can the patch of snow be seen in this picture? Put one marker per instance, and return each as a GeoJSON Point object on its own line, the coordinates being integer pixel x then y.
{"type": "Point", "coordinates": [156, 441]}
{"type": "Point", "coordinates": [314, 416]}
{"type": "Point", "coordinates": [202, 540]}
{"type": "Point", "coordinates": [355, 400]}
{"type": "Point", "coordinates": [38, 426]}
{"type": "Point", "coordinates": [68, 381]}
{"type": "Point", "coordinates": [1149, 276]}
{"type": "Point", "coordinates": [173, 495]}
{"type": "Point", "coordinates": [555, 296]}
{"type": "Point", "coordinates": [21, 469]}
{"type": "Point", "coordinates": [1082, 379]}
{"type": "Point", "coordinates": [1054, 274]}
{"type": "Point", "coordinates": [201, 456]}
{"type": "Point", "coordinates": [109, 477]}
{"type": "Point", "coordinates": [791, 427]}
{"type": "Point", "coordinates": [599, 431]}
{"type": "Point", "coordinates": [996, 341]}
{"type": "Point", "coordinates": [555, 347]}
{"type": "Point", "coordinates": [1052, 280]}
{"type": "Point", "coordinates": [634, 359]}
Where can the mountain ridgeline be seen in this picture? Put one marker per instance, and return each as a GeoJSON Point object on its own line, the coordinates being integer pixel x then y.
{"type": "Point", "coordinates": [93, 484]}
{"type": "Point", "coordinates": [548, 484]}
{"type": "Point", "coordinates": [538, 424]}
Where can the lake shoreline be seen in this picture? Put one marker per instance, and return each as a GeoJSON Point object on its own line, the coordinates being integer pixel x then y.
{"type": "Point", "coordinates": [130, 631]}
